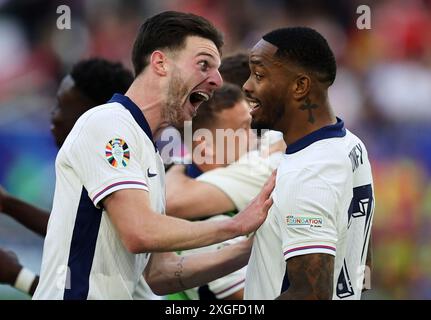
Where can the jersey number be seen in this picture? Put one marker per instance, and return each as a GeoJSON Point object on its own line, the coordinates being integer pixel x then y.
{"type": "Point", "coordinates": [360, 206]}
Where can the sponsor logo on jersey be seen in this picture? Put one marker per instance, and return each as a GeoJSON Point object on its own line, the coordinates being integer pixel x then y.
{"type": "Point", "coordinates": [149, 174]}
{"type": "Point", "coordinates": [313, 222]}
{"type": "Point", "coordinates": [117, 153]}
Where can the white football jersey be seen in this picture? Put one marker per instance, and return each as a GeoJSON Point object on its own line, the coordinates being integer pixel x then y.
{"type": "Point", "coordinates": [323, 203]}
{"type": "Point", "coordinates": [110, 148]}
{"type": "Point", "coordinates": [144, 292]}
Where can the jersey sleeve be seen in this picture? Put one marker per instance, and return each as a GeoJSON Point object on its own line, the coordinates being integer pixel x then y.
{"type": "Point", "coordinates": [106, 155]}
{"type": "Point", "coordinates": [305, 205]}
{"type": "Point", "coordinates": [229, 284]}
{"type": "Point", "coordinates": [241, 181]}
{"type": "Point", "coordinates": [143, 291]}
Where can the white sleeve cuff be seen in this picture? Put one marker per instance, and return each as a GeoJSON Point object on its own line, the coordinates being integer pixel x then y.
{"type": "Point", "coordinates": [97, 195]}
{"type": "Point", "coordinates": [230, 290]}
{"type": "Point", "coordinates": [299, 249]}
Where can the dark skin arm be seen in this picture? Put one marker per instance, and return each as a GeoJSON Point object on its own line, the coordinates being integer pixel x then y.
{"type": "Point", "coordinates": [239, 295]}
{"type": "Point", "coordinates": [10, 268]}
{"type": "Point", "coordinates": [310, 276]}
{"type": "Point", "coordinates": [28, 215]}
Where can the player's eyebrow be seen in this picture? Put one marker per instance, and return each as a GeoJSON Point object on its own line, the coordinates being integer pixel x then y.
{"type": "Point", "coordinates": [210, 56]}
{"type": "Point", "coordinates": [202, 53]}
{"type": "Point", "coordinates": [257, 62]}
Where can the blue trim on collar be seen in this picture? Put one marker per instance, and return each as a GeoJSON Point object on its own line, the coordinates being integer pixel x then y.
{"type": "Point", "coordinates": [137, 114]}
{"type": "Point", "coordinates": [333, 131]}
{"type": "Point", "coordinates": [193, 171]}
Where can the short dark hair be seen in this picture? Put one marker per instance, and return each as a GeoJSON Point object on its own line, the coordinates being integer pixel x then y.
{"type": "Point", "coordinates": [307, 48]}
{"type": "Point", "coordinates": [224, 98]}
{"type": "Point", "coordinates": [169, 30]}
{"type": "Point", "coordinates": [235, 69]}
{"type": "Point", "coordinates": [99, 79]}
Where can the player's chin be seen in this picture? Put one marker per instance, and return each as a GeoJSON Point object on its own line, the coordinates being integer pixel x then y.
{"type": "Point", "coordinates": [259, 123]}
{"type": "Point", "coordinates": [181, 121]}
{"type": "Point", "coordinates": [59, 143]}
{"type": "Point", "coordinates": [178, 123]}
{"type": "Point", "coordinates": [190, 111]}
{"type": "Point", "coordinates": [257, 116]}
{"type": "Point", "coordinates": [187, 116]}
{"type": "Point", "coordinates": [58, 140]}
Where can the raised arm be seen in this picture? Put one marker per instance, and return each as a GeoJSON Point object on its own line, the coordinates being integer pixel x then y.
{"type": "Point", "coordinates": [169, 273]}
{"type": "Point", "coordinates": [28, 215]}
{"type": "Point", "coordinates": [310, 277]}
{"type": "Point", "coordinates": [143, 230]}
{"type": "Point", "coordinates": [184, 193]}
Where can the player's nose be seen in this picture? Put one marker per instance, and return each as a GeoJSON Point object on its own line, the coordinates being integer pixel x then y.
{"type": "Point", "coordinates": [246, 87]}
{"type": "Point", "coordinates": [216, 80]}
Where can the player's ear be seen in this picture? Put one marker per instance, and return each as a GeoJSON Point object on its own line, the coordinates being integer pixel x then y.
{"type": "Point", "coordinates": [301, 86]}
{"type": "Point", "coordinates": [158, 62]}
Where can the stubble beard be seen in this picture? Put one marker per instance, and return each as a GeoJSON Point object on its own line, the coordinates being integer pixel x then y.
{"type": "Point", "coordinates": [173, 112]}
{"type": "Point", "coordinates": [270, 121]}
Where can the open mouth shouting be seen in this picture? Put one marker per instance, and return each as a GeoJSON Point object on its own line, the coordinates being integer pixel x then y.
{"type": "Point", "coordinates": [196, 98]}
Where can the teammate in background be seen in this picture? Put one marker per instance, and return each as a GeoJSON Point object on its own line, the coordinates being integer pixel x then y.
{"type": "Point", "coordinates": [234, 69]}
{"type": "Point", "coordinates": [14, 274]}
{"type": "Point", "coordinates": [227, 109]}
{"type": "Point", "coordinates": [90, 83]}
{"type": "Point", "coordinates": [107, 224]}
{"type": "Point", "coordinates": [314, 243]}
{"type": "Point", "coordinates": [226, 188]}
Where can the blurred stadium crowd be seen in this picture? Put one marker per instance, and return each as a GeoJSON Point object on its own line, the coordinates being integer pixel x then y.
{"type": "Point", "coordinates": [382, 91]}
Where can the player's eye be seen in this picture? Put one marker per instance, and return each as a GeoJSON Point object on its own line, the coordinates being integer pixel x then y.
{"type": "Point", "coordinates": [258, 76]}
{"type": "Point", "coordinates": [204, 65]}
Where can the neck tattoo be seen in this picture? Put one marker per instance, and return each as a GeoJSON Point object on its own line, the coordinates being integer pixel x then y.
{"type": "Point", "coordinates": [309, 107]}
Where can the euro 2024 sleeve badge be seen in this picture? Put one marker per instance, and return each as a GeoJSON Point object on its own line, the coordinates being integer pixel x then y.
{"type": "Point", "coordinates": [117, 153]}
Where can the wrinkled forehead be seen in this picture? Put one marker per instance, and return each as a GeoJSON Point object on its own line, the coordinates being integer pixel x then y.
{"type": "Point", "coordinates": [263, 50]}
{"type": "Point", "coordinates": [196, 46]}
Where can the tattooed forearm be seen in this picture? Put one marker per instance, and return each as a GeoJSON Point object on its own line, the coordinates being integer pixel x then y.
{"type": "Point", "coordinates": [178, 274]}
{"type": "Point", "coordinates": [310, 276]}
{"type": "Point", "coordinates": [309, 107]}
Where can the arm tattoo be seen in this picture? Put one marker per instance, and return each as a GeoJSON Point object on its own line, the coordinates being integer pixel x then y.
{"type": "Point", "coordinates": [179, 272]}
{"type": "Point", "coordinates": [309, 106]}
{"type": "Point", "coordinates": [310, 276]}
